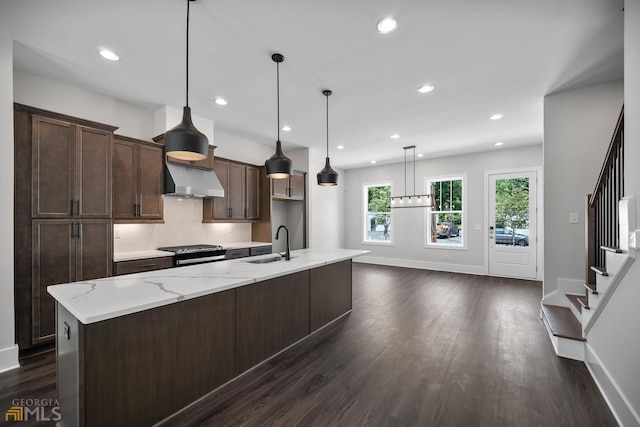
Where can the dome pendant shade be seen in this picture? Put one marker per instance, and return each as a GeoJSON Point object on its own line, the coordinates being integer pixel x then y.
{"type": "Point", "coordinates": [279, 166]}
{"type": "Point", "coordinates": [184, 141]}
{"type": "Point", "coordinates": [327, 176]}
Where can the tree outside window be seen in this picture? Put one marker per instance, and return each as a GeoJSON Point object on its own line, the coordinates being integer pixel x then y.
{"type": "Point", "coordinates": [377, 213]}
{"type": "Point", "coordinates": [512, 205]}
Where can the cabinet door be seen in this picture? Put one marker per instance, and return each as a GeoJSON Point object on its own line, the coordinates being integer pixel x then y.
{"type": "Point", "coordinates": [297, 186]}
{"type": "Point", "coordinates": [280, 188]}
{"type": "Point", "coordinates": [236, 197]}
{"type": "Point", "coordinates": [125, 179]}
{"type": "Point", "coordinates": [150, 184]}
{"type": "Point", "coordinates": [220, 204]}
{"type": "Point", "coordinates": [252, 195]}
{"type": "Point", "coordinates": [53, 263]}
{"type": "Point", "coordinates": [94, 249]}
{"type": "Point", "coordinates": [94, 150]}
{"type": "Point", "coordinates": [271, 315]}
{"type": "Point", "coordinates": [330, 293]}
{"type": "Point", "coordinates": [53, 170]}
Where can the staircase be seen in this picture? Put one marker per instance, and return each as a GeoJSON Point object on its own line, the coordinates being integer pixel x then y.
{"type": "Point", "coordinates": [570, 314]}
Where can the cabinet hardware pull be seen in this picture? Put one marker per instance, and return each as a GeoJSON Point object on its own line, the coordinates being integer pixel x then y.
{"type": "Point", "coordinates": [71, 208]}
{"type": "Point", "coordinates": [79, 230]}
{"type": "Point", "coordinates": [147, 265]}
{"type": "Point", "coordinates": [73, 230]}
{"type": "Point", "coordinates": [230, 212]}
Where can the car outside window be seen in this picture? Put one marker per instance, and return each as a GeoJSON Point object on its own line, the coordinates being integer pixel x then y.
{"type": "Point", "coordinates": [445, 219]}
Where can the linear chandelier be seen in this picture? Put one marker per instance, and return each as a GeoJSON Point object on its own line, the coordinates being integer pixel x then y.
{"type": "Point", "coordinates": [411, 200]}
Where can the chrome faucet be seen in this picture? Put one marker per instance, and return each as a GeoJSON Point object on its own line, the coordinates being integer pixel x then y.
{"type": "Point", "coordinates": [287, 255]}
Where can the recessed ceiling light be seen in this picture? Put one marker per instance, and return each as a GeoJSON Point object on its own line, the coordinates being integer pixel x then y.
{"type": "Point", "coordinates": [340, 147]}
{"type": "Point", "coordinates": [286, 128]}
{"type": "Point", "coordinates": [107, 54]}
{"type": "Point", "coordinates": [395, 136]}
{"type": "Point", "coordinates": [498, 144]}
{"type": "Point", "coordinates": [373, 161]}
{"type": "Point", "coordinates": [497, 116]}
{"type": "Point", "coordinates": [426, 88]}
{"type": "Point", "coordinates": [387, 25]}
{"type": "Point", "coordinates": [220, 101]}
{"type": "Point", "coordinates": [420, 155]}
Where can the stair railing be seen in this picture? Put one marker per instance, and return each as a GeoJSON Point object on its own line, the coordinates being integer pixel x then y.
{"type": "Point", "coordinates": [602, 228]}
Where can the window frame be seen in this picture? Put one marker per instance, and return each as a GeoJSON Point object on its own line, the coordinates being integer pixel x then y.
{"type": "Point", "coordinates": [463, 213]}
{"type": "Point", "coordinates": [365, 213]}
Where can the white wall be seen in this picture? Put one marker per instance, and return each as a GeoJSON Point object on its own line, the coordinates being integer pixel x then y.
{"type": "Point", "coordinates": [614, 336]}
{"type": "Point", "coordinates": [47, 94]}
{"type": "Point", "coordinates": [8, 348]}
{"type": "Point", "coordinates": [408, 224]}
{"type": "Point", "coordinates": [578, 126]}
{"type": "Point", "coordinates": [326, 207]}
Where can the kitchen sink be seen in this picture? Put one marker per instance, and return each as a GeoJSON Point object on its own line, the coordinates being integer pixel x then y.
{"type": "Point", "coordinates": [267, 260]}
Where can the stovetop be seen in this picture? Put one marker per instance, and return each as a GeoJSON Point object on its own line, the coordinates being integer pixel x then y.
{"type": "Point", "coordinates": [189, 249]}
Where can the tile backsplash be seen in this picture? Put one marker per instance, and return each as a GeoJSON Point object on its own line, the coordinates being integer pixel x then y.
{"type": "Point", "coordinates": [182, 226]}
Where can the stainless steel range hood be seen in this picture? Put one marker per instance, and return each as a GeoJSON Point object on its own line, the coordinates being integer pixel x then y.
{"type": "Point", "coordinates": [184, 181]}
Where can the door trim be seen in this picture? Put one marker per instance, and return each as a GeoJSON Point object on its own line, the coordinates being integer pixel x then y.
{"type": "Point", "coordinates": [539, 216]}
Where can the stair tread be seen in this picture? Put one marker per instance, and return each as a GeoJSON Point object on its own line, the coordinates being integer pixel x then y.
{"type": "Point", "coordinates": [562, 322]}
{"type": "Point", "coordinates": [591, 287]}
{"type": "Point", "coordinates": [578, 301]}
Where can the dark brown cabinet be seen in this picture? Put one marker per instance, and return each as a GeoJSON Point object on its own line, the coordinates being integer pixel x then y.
{"type": "Point", "coordinates": [271, 315]}
{"type": "Point", "coordinates": [137, 180]}
{"type": "Point", "coordinates": [65, 251]}
{"type": "Point", "coordinates": [142, 265]}
{"type": "Point", "coordinates": [329, 293]}
{"type": "Point", "coordinates": [71, 170]}
{"type": "Point", "coordinates": [241, 201]}
{"type": "Point", "coordinates": [291, 188]}
{"type": "Point", "coordinates": [62, 212]}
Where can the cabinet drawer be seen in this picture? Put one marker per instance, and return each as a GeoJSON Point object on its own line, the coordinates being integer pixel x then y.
{"type": "Point", "coordinates": [237, 253]}
{"type": "Point", "coordinates": [140, 265]}
{"type": "Point", "coordinates": [261, 250]}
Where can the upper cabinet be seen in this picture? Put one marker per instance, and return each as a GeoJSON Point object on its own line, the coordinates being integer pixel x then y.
{"type": "Point", "coordinates": [71, 170]}
{"type": "Point", "coordinates": [291, 188]}
{"type": "Point", "coordinates": [241, 201]}
{"type": "Point", "coordinates": [137, 180]}
{"type": "Point", "coordinates": [201, 164]}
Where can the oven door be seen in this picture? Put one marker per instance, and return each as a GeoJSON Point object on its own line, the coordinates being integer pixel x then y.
{"type": "Point", "coordinates": [199, 257]}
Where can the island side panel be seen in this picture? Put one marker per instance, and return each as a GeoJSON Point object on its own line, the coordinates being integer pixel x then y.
{"type": "Point", "coordinates": [271, 316]}
{"type": "Point", "coordinates": [69, 359]}
{"type": "Point", "coordinates": [330, 293]}
{"type": "Point", "coordinates": [142, 367]}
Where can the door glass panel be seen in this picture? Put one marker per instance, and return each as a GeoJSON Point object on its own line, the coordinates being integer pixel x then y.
{"type": "Point", "coordinates": [512, 212]}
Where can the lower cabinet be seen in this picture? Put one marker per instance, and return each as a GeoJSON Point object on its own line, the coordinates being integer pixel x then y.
{"type": "Point", "coordinates": [329, 293]}
{"type": "Point", "coordinates": [141, 265]}
{"type": "Point", "coordinates": [271, 316]}
{"type": "Point", "coordinates": [65, 251]}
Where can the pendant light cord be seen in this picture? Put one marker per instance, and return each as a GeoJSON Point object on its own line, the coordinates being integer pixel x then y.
{"type": "Point", "coordinates": [327, 125]}
{"type": "Point", "coordinates": [187, 91]}
{"type": "Point", "coordinates": [278, 95]}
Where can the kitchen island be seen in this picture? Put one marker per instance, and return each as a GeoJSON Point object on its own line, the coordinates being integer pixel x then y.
{"type": "Point", "coordinates": [134, 349]}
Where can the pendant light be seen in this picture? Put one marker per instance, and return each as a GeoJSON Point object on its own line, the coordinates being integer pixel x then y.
{"type": "Point", "coordinates": [278, 166]}
{"type": "Point", "coordinates": [184, 141]}
{"type": "Point", "coordinates": [327, 176]}
{"type": "Point", "coordinates": [411, 200]}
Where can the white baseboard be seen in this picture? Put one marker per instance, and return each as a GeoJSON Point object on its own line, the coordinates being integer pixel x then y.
{"type": "Point", "coordinates": [619, 405]}
{"type": "Point", "coordinates": [425, 265]}
{"type": "Point", "coordinates": [9, 359]}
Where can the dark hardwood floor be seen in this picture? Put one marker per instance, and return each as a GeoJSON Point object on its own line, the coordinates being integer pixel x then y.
{"type": "Point", "coordinates": [421, 348]}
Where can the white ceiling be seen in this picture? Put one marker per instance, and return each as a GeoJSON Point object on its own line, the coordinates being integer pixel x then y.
{"type": "Point", "coordinates": [483, 56]}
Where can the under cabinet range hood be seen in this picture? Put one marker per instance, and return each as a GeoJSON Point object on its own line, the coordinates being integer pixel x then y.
{"type": "Point", "coordinates": [183, 181]}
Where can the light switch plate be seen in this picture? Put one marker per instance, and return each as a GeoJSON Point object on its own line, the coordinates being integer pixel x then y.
{"type": "Point", "coordinates": [573, 218]}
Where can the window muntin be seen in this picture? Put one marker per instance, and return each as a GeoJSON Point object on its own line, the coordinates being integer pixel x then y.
{"type": "Point", "coordinates": [377, 213]}
{"type": "Point", "coordinates": [445, 219]}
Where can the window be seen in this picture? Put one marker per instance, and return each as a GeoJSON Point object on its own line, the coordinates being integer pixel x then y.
{"type": "Point", "coordinates": [377, 213]}
{"type": "Point", "coordinates": [445, 220]}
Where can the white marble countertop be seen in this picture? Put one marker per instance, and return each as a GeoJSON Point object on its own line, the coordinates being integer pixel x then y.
{"type": "Point", "coordinates": [110, 297]}
{"type": "Point", "coordinates": [129, 256]}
